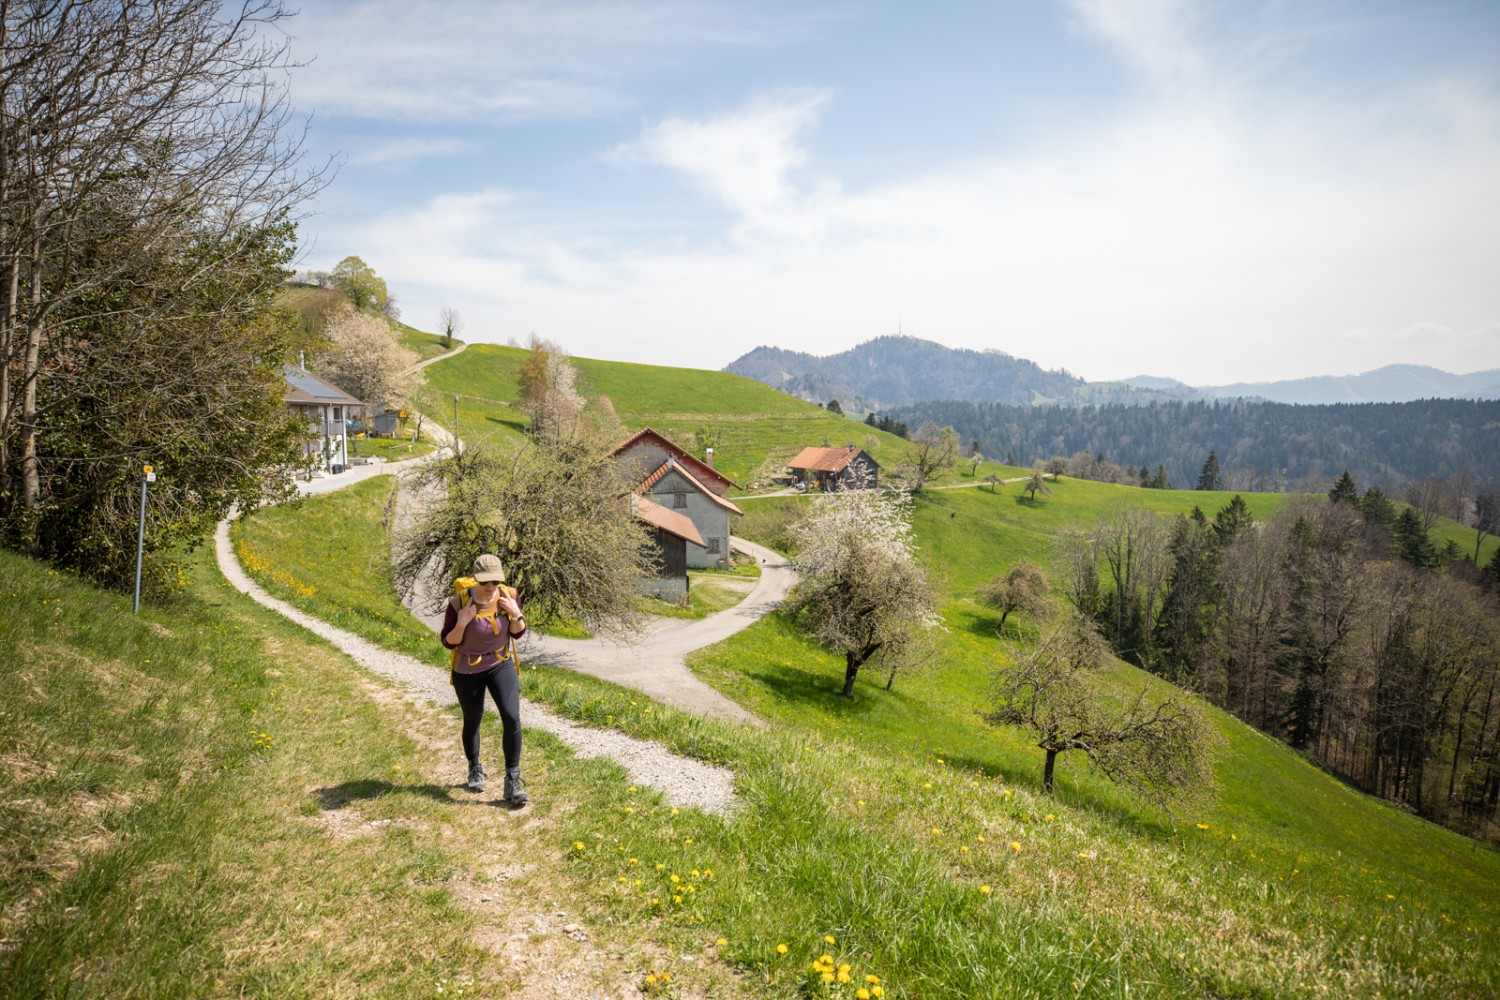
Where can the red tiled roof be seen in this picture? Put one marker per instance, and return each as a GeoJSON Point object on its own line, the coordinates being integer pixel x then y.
{"type": "Point", "coordinates": [669, 521]}
{"type": "Point", "coordinates": [703, 469]}
{"type": "Point", "coordinates": [824, 459]}
{"type": "Point", "coordinates": [668, 466]}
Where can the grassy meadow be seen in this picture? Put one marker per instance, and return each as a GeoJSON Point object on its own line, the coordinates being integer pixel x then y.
{"type": "Point", "coordinates": [757, 429]}
{"type": "Point", "coordinates": [207, 800]}
{"type": "Point", "coordinates": [915, 836]}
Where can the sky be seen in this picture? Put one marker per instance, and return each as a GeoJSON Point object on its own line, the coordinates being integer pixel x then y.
{"type": "Point", "coordinates": [1210, 191]}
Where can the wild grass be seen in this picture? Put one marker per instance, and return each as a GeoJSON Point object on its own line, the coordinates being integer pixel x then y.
{"type": "Point", "coordinates": [915, 836]}
{"type": "Point", "coordinates": [427, 345]}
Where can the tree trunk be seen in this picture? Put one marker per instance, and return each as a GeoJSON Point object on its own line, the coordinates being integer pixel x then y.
{"type": "Point", "coordinates": [851, 671]}
{"type": "Point", "coordinates": [1047, 771]}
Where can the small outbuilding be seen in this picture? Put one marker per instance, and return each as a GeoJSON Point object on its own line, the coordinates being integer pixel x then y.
{"type": "Point", "coordinates": [673, 534]}
{"type": "Point", "coordinates": [847, 468]}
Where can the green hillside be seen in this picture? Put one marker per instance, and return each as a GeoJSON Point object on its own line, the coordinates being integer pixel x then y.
{"type": "Point", "coordinates": [753, 427]}
{"type": "Point", "coordinates": [880, 820]}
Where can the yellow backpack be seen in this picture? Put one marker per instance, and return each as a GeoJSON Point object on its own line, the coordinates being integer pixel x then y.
{"type": "Point", "coordinates": [461, 588]}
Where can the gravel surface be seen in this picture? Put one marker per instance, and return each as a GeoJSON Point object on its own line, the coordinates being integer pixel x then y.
{"type": "Point", "coordinates": [685, 782]}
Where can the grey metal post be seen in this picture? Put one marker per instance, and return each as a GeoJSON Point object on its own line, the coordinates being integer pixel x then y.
{"type": "Point", "coordinates": [455, 424]}
{"type": "Point", "coordinates": [140, 538]}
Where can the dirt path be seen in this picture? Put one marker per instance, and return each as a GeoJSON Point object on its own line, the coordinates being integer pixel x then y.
{"type": "Point", "coordinates": [684, 781]}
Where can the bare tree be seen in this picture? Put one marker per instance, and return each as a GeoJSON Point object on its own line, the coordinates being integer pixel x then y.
{"type": "Point", "coordinates": [932, 450]}
{"type": "Point", "coordinates": [451, 323]}
{"type": "Point", "coordinates": [1432, 498]}
{"type": "Point", "coordinates": [1160, 748]}
{"type": "Point", "coordinates": [863, 593]}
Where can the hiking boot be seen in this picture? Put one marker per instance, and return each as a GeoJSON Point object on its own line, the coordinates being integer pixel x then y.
{"type": "Point", "coordinates": [515, 789]}
{"type": "Point", "coordinates": [476, 777]}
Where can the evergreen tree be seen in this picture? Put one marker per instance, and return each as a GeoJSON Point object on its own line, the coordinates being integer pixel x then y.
{"type": "Point", "coordinates": [1185, 623]}
{"type": "Point", "coordinates": [1161, 482]}
{"type": "Point", "coordinates": [1145, 478]}
{"type": "Point", "coordinates": [1233, 518]}
{"type": "Point", "coordinates": [1412, 543]}
{"type": "Point", "coordinates": [1208, 479]}
{"type": "Point", "coordinates": [1344, 491]}
{"type": "Point", "coordinates": [1377, 508]}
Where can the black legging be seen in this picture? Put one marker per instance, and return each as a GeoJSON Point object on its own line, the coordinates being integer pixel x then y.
{"type": "Point", "coordinates": [504, 685]}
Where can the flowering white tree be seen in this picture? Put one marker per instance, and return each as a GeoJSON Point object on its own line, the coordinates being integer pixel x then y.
{"type": "Point", "coordinates": [863, 592]}
{"type": "Point", "coordinates": [365, 359]}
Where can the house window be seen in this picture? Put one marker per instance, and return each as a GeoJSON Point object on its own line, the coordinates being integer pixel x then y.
{"type": "Point", "coordinates": [337, 414]}
{"type": "Point", "coordinates": [679, 499]}
{"type": "Point", "coordinates": [713, 544]}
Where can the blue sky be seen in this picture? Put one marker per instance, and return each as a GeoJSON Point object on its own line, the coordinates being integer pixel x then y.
{"type": "Point", "coordinates": [1214, 192]}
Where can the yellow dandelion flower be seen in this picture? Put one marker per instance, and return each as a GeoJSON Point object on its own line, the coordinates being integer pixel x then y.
{"type": "Point", "coordinates": [722, 942]}
{"type": "Point", "coordinates": [674, 810]}
{"type": "Point", "coordinates": [844, 977]}
{"type": "Point", "coordinates": [980, 839]}
{"type": "Point", "coordinates": [1203, 826]}
{"type": "Point", "coordinates": [936, 832]}
{"type": "Point", "coordinates": [660, 865]}
{"type": "Point", "coordinates": [1051, 817]}
{"type": "Point", "coordinates": [827, 977]}
{"type": "Point", "coordinates": [877, 991]}
{"type": "Point", "coordinates": [862, 993]}
{"type": "Point", "coordinates": [781, 949]}
{"type": "Point", "coordinates": [829, 938]}
{"type": "Point", "coordinates": [964, 849]}
{"type": "Point", "coordinates": [632, 789]}
{"type": "Point", "coordinates": [984, 889]}
{"type": "Point", "coordinates": [1015, 845]}
{"type": "Point", "coordinates": [675, 879]}
{"type": "Point", "coordinates": [578, 845]}
{"type": "Point", "coordinates": [872, 979]}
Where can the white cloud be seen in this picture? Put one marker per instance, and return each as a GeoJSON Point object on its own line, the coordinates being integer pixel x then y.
{"type": "Point", "coordinates": [747, 160]}
{"type": "Point", "coordinates": [1205, 233]}
{"type": "Point", "coordinates": [486, 60]}
{"type": "Point", "coordinates": [1154, 35]}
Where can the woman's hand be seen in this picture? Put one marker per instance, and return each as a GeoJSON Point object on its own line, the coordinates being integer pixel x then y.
{"type": "Point", "coordinates": [509, 606]}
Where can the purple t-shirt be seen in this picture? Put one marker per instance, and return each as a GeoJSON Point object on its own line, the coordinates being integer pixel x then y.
{"type": "Point", "coordinates": [486, 640]}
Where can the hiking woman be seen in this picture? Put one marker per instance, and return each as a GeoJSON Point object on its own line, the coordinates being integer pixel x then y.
{"type": "Point", "coordinates": [481, 627]}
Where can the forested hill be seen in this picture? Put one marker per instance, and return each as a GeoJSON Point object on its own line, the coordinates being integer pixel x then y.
{"type": "Point", "coordinates": [896, 371]}
{"type": "Point", "coordinates": [1380, 443]}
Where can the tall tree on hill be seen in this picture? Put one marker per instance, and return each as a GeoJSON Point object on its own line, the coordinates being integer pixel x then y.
{"type": "Point", "coordinates": [863, 593]}
{"type": "Point", "coordinates": [358, 280]}
{"type": "Point", "coordinates": [451, 323]}
{"type": "Point", "coordinates": [149, 165]}
{"type": "Point", "coordinates": [1186, 622]}
{"type": "Point", "coordinates": [1035, 484]}
{"type": "Point", "coordinates": [1232, 519]}
{"type": "Point", "coordinates": [1208, 479]}
{"type": "Point", "coordinates": [1324, 584]}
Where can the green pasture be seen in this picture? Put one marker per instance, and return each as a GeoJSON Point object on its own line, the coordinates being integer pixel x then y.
{"type": "Point", "coordinates": [915, 835]}
{"type": "Point", "coordinates": [756, 428]}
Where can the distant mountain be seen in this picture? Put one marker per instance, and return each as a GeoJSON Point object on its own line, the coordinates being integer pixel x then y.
{"type": "Point", "coordinates": [888, 372]}
{"type": "Point", "coordinates": [1391, 384]}
{"type": "Point", "coordinates": [896, 371]}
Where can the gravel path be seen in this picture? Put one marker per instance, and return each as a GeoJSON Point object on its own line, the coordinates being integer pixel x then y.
{"type": "Point", "coordinates": [685, 782]}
